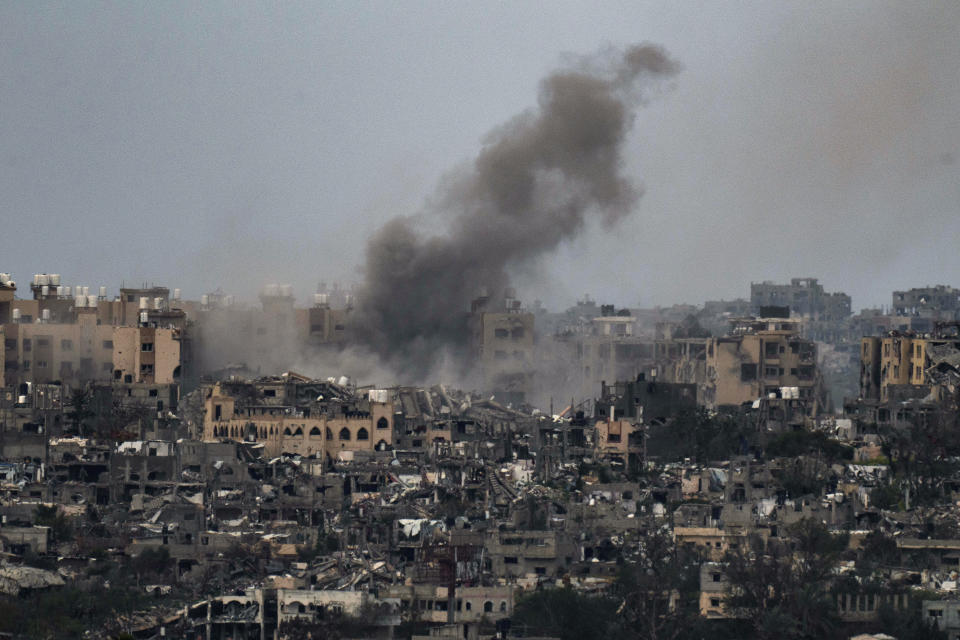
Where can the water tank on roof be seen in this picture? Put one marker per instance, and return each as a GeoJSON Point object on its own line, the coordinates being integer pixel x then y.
{"type": "Point", "coordinates": [377, 395]}
{"type": "Point", "coordinates": [43, 279]}
{"type": "Point", "coordinates": [286, 290]}
{"type": "Point", "coordinates": [80, 301]}
{"type": "Point", "coordinates": [92, 301]}
{"type": "Point", "coordinates": [158, 303]}
{"type": "Point", "coordinates": [45, 315]}
{"type": "Point", "coordinates": [176, 294]}
{"type": "Point", "coordinates": [144, 317]}
{"type": "Point", "coordinates": [320, 299]}
{"type": "Point", "coordinates": [67, 292]}
{"type": "Point", "coordinates": [343, 381]}
{"type": "Point", "coordinates": [21, 399]}
{"type": "Point", "coordinates": [4, 278]}
{"type": "Point", "coordinates": [348, 299]}
{"type": "Point", "coordinates": [16, 315]}
{"type": "Point", "coordinates": [144, 303]}
{"type": "Point", "coordinates": [60, 291]}
{"type": "Point", "coordinates": [204, 299]}
{"type": "Point", "coordinates": [103, 292]}
{"type": "Point", "coordinates": [45, 291]}
{"type": "Point", "coordinates": [54, 279]}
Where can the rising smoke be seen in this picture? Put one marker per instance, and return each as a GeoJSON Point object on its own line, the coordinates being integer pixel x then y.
{"type": "Point", "coordinates": [535, 183]}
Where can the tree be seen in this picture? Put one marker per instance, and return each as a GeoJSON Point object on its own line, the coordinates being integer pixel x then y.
{"type": "Point", "coordinates": [782, 590]}
{"type": "Point", "coordinates": [80, 411]}
{"type": "Point", "coordinates": [653, 592]}
{"type": "Point", "coordinates": [565, 614]}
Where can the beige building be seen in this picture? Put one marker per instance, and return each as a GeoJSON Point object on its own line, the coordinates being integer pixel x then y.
{"type": "Point", "coordinates": [284, 429]}
{"type": "Point", "coordinates": [502, 342]}
{"type": "Point", "coordinates": [761, 356]}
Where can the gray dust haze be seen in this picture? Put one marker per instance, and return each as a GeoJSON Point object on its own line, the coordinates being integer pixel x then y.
{"type": "Point", "coordinates": [534, 184]}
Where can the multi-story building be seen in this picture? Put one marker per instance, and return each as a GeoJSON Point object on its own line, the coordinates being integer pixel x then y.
{"type": "Point", "coordinates": [940, 300]}
{"type": "Point", "coordinates": [899, 360]}
{"type": "Point", "coordinates": [804, 296]}
{"type": "Point", "coordinates": [760, 357]}
{"type": "Point", "coordinates": [502, 342]}
{"type": "Point", "coordinates": [291, 414]}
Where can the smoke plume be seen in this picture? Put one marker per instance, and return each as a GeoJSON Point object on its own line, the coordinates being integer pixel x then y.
{"type": "Point", "coordinates": [534, 184]}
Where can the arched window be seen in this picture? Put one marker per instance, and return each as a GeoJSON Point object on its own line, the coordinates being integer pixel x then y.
{"type": "Point", "coordinates": [298, 432]}
{"type": "Point", "coordinates": [487, 607]}
{"type": "Point", "coordinates": [469, 606]}
{"type": "Point", "coordinates": [362, 434]}
{"type": "Point", "coordinates": [329, 434]}
{"type": "Point", "coordinates": [287, 432]}
{"type": "Point", "coordinates": [382, 445]}
{"type": "Point", "coordinates": [315, 432]}
{"type": "Point", "coordinates": [344, 434]}
{"type": "Point", "coordinates": [503, 606]}
{"type": "Point", "coordinates": [382, 423]}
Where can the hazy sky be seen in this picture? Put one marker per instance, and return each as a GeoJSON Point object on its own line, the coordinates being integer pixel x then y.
{"type": "Point", "coordinates": [235, 144]}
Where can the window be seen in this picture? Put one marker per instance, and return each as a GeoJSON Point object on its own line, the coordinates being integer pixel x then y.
{"type": "Point", "coordinates": [27, 344]}
{"type": "Point", "coordinates": [153, 393]}
{"type": "Point", "coordinates": [146, 346]}
{"type": "Point", "coordinates": [500, 355]}
{"type": "Point", "coordinates": [270, 393]}
{"type": "Point", "coordinates": [501, 333]}
{"type": "Point", "coordinates": [146, 369]}
{"type": "Point", "coordinates": [748, 372]}
{"type": "Point", "coordinates": [344, 434]}
{"type": "Point", "coordinates": [130, 299]}
{"type": "Point", "coordinates": [43, 342]}
{"type": "Point", "coordinates": [382, 423]}
{"type": "Point", "coordinates": [41, 364]}
{"type": "Point", "coordinates": [714, 602]}
{"type": "Point", "coordinates": [10, 343]}
{"type": "Point", "coordinates": [363, 434]}
{"type": "Point", "coordinates": [66, 368]}
{"type": "Point", "coordinates": [516, 332]}
{"type": "Point", "coordinates": [108, 344]}
{"type": "Point", "coordinates": [26, 365]}
{"type": "Point", "coordinates": [715, 577]}
{"type": "Point", "coordinates": [66, 345]}
{"type": "Point", "coordinates": [510, 560]}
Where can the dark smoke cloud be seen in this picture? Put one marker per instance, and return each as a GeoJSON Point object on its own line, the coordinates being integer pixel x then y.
{"type": "Point", "coordinates": [535, 183]}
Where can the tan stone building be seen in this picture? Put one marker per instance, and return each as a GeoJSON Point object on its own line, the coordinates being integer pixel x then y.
{"type": "Point", "coordinates": [502, 343]}
{"type": "Point", "coordinates": [303, 430]}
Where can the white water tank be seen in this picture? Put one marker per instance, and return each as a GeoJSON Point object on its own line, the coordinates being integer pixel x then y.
{"type": "Point", "coordinates": [204, 299]}
{"type": "Point", "coordinates": [45, 290]}
{"type": "Point", "coordinates": [43, 279]}
{"type": "Point", "coordinates": [321, 299]}
{"type": "Point", "coordinates": [158, 304]}
{"type": "Point", "coordinates": [45, 315]}
{"type": "Point", "coordinates": [86, 290]}
{"type": "Point", "coordinates": [54, 279]}
{"type": "Point", "coordinates": [348, 299]}
{"type": "Point", "coordinates": [16, 315]}
{"type": "Point", "coordinates": [103, 292]}
{"type": "Point", "coordinates": [92, 301]}
{"type": "Point", "coordinates": [80, 301]}
{"type": "Point", "coordinates": [377, 395]}
{"type": "Point", "coordinates": [67, 292]}
{"type": "Point", "coordinates": [144, 303]}
{"type": "Point", "coordinates": [286, 290]}
{"type": "Point", "coordinates": [176, 294]}
{"type": "Point", "coordinates": [21, 399]}
{"type": "Point", "coordinates": [343, 381]}
{"type": "Point", "coordinates": [4, 278]}
{"type": "Point", "coordinates": [60, 291]}
{"type": "Point", "coordinates": [144, 317]}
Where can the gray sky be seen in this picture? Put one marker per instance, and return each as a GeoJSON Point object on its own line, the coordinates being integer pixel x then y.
{"type": "Point", "coordinates": [238, 144]}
